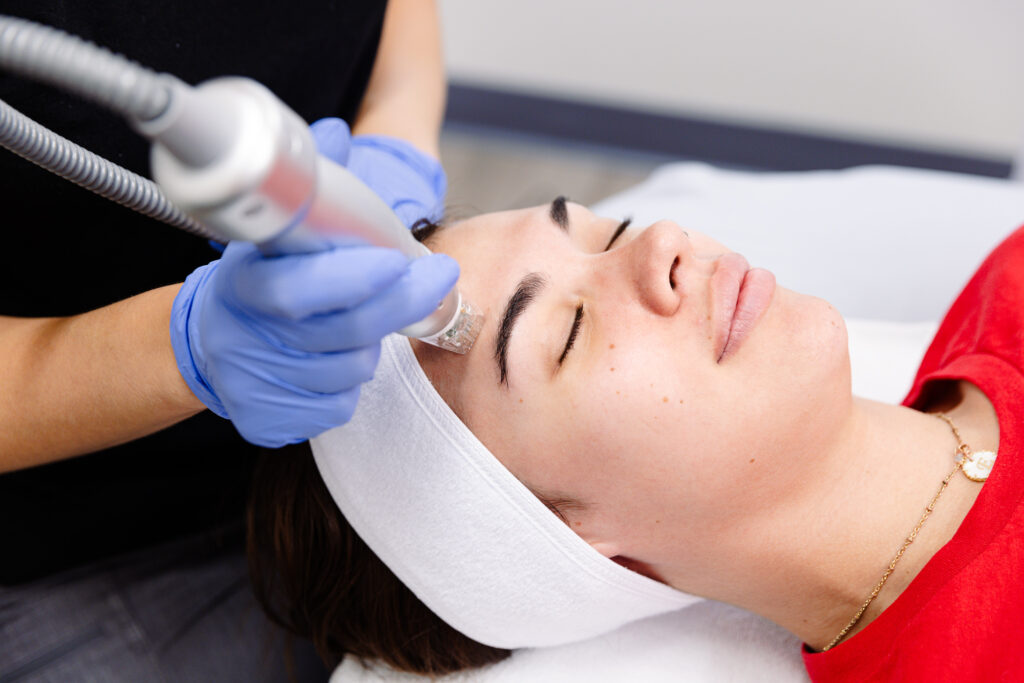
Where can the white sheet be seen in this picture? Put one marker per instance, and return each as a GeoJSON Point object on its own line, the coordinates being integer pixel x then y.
{"type": "Point", "coordinates": [890, 248]}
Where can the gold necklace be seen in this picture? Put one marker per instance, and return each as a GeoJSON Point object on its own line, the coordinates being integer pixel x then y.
{"type": "Point", "coordinates": [975, 466]}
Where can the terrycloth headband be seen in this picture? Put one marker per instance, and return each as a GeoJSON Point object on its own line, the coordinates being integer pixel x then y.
{"type": "Point", "coordinates": [467, 537]}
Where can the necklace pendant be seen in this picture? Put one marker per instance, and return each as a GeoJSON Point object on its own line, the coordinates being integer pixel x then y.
{"type": "Point", "coordinates": [979, 465]}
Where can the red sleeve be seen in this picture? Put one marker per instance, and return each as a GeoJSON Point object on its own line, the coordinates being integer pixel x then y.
{"type": "Point", "coordinates": [987, 317]}
{"type": "Point", "coordinates": [961, 619]}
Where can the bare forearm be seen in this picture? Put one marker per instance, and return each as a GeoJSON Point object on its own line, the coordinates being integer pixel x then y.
{"type": "Point", "coordinates": [405, 97]}
{"type": "Point", "coordinates": [79, 384]}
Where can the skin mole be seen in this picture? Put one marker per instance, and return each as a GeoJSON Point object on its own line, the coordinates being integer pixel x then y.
{"type": "Point", "coordinates": [611, 346]}
{"type": "Point", "coordinates": [664, 399]}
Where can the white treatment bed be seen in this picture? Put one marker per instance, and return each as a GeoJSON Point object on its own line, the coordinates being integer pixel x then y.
{"type": "Point", "coordinates": [890, 248]}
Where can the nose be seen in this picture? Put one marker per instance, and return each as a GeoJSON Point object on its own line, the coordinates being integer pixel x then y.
{"type": "Point", "coordinates": [656, 260]}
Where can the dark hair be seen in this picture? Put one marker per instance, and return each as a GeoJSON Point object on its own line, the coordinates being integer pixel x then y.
{"type": "Point", "coordinates": [316, 578]}
{"type": "Point", "coordinates": [424, 228]}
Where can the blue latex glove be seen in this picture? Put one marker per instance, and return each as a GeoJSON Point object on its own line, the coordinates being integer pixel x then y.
{"type": "Point", "coordinates": [280, 345]}
{"type": "Point", "coordinates": [412, 183]}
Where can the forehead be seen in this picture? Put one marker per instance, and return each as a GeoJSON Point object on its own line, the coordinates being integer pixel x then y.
{"type": "Point", "coordinates": [477, 237]}
{"type": "Point", "coordinates": [493, 251]}
{"type": "Point", "coordinates": [529, 238]}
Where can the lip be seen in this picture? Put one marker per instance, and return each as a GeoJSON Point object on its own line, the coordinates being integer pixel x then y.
{"type": "Point", "coordinates": [739, 296]}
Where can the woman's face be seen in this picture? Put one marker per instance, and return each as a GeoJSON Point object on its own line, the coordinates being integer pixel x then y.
{"type": "Point", "coordinates": [599, 376]}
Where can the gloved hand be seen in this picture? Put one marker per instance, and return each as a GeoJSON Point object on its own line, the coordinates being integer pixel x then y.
{"type": "Point", "coordinates": [410, 182]}
{"type": "Point", "coordinates": [280, 345]}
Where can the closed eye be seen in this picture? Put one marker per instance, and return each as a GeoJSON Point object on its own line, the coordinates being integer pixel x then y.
{"type": "Point", "coordinates": [572, 333]}
{"type": "Point", "coordinates": [578, 320]}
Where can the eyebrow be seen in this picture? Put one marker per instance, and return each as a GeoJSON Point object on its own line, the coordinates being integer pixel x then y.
{"type": "Point", "coordinates": [526, 291]}
{"type": "Point", "coordinates": [559, 213]}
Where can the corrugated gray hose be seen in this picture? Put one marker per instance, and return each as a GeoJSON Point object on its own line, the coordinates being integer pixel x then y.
{"type": "Point", "coordinates": [75, 65]}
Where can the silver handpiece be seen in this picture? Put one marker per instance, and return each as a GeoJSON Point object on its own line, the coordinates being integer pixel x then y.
{"type": "Point", "coordinates": [266, 183]}
{"type": "Point", "coordinates": [229, 153]}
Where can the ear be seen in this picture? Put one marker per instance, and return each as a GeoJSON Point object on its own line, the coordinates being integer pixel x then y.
{"type": "Point", "coordinates": [607, 548]}
{"type": "Point", "coordinates": [611, 551]}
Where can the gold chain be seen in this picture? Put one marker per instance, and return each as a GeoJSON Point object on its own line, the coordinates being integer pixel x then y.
{"type": "Point", "coordinates": [962, 449]}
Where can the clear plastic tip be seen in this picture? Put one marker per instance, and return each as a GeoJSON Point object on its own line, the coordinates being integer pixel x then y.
{"type": "Point", "coordinates": [461, 334]}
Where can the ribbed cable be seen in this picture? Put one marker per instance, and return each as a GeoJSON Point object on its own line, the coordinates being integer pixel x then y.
{"type": "Point", "coordinates": [57, 154]}
{"type": "Point", "coordinates": [55, 57]}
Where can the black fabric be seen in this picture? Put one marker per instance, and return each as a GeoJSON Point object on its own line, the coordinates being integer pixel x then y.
{"type": "Point", "coordinates": [67, 251]}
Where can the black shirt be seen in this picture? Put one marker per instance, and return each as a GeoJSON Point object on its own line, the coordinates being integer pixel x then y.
{"type": "Point", "coordinates": [67, 251]}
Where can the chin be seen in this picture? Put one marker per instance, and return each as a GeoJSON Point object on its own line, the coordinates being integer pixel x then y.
{"type": "Point", "coordinates": [814, 342]}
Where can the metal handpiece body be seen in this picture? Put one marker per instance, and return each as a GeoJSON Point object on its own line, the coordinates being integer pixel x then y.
{"type": "Point", "coordinates": [268, 185]}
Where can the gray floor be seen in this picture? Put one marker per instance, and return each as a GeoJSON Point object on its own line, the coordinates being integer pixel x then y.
{"type": "Point", "coordinates": [494, 171]}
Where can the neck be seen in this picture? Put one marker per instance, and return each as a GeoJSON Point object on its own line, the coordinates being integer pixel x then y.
{"type": "Point", "coordinates": [819, 554]}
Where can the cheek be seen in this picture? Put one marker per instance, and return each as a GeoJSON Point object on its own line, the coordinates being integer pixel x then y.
{"type": "Point", "coordinates": [659, 416]}
{"type": "Point", "coordinates": [636, 384]}
{"type": "Point", "coordinates": [806, 349]}
{"type": "Point", "coordinates": [792, 386]}
{"type": "Point", "coordinates": [590, 440]}
{"type": "Point", "coordinates": [634, 426]}
{"type": "Point", "coordinates": [652, 423]}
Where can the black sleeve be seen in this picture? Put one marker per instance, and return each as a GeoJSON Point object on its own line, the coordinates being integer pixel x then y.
{"type": "Point", "coordinates": [67, 251]}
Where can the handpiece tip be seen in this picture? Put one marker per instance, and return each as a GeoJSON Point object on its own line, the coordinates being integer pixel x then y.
{"type": "Point", "coordinates": [461, 335]}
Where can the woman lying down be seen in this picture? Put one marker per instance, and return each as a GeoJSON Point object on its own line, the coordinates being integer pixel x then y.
{"type": "Point", "coordinates": [643, 419]}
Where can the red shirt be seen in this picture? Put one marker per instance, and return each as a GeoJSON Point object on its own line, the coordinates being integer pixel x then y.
{"type": "Point", "coordinates": [962, 618]}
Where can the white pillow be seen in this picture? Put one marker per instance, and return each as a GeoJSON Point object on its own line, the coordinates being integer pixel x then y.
{"type": "Point", "coordinates": [890, 248]}
{"type": "Point", "coordinates": [884, 356]}
{"type": "Point", "coordinates": [710, 641]}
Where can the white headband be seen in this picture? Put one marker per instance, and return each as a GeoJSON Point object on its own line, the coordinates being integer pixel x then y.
{"type": "Point", "coordinates": [467, 537]}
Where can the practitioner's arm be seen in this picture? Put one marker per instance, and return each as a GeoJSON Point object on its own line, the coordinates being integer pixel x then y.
{"type": "Point", "coordinates": [396, 133]}
{"type": "Point", "coordinates": [279, 346]}
{"type": "Point", "coordinates": [405, 97]}
{"type": "Point", "coordinates": [78, 384]}
{"type": "Point", "coordinates": [70, 386]}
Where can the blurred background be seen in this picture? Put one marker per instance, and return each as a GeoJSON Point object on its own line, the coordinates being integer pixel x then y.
{"type": "Point", "coordinates": [586, 97]}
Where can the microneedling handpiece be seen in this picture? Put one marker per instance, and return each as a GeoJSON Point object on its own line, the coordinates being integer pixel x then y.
{"type": "Point", "coordinates": [264, 182]}
{"type": "Point", "coordinates": [227, 152]}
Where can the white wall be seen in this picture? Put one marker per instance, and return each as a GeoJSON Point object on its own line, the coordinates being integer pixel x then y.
{"type": "Point", "coordinates": [946, 75]}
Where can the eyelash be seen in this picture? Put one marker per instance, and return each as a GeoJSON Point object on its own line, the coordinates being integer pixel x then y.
{"type": "Point", "coordinates": [576, 323]}
{"type": "Point", "coordinates": [618, 231]}
{"type": "Point", "coordinates": [578, 320]}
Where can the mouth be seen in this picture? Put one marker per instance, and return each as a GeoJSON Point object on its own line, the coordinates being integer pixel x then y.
{"type": "Point", "coordinates": [739, 296]}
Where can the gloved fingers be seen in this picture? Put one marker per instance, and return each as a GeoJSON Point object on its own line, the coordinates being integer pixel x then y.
{"type": "Point", "coordinates": [333, 139]}
{"type": "Point", "coordinates": [410, 298]}
{"type": "Point", "coordinates": [276, 419]}
{"type": "Point", "coordinates": [299, 286]}
{"type": "Point", "coordinates": [411, 182]}
{"type": "Point", "coordinates": [319, 373]}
